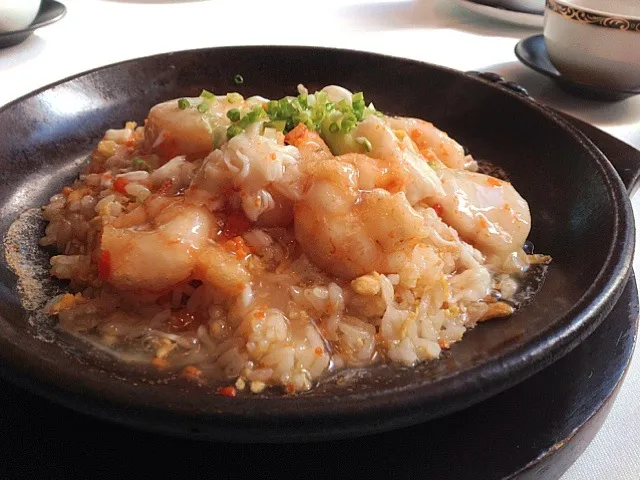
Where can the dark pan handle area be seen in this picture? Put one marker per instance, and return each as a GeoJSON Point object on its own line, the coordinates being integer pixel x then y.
{"type": "Point", "coordinates": [624, 158]}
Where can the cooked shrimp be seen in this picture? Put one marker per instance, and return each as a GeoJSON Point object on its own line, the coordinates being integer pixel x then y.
{"type": "Point", "coordinates": [166, 242]}
{"type": "Point", "coordinates": [432, 142]}
{"type": "Point", "coordinates": [158, 254]}
{"type": "Point", "coordinates": [171, 130]}
{"type": "Point", "coordinates": [223, 271]}
{"type": "Point", "coordinates": [372, 172]}
{"type": "Point", "coordinates": [421, 181]}
{"type": "Point", "coordinates": [347, 231]}
{"type": "Point", "coordinates": [487, 212]}
{"type": "Point", "coordinates": [253, 172]}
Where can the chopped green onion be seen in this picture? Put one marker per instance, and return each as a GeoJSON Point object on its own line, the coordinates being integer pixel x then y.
{"type": "Point", "coordinates": [347, 123]}
{"type": "Point", "coordinates": [270, 132]}
{"type": "Point", "coordinates": [203, 107]}
{"type": "Point", "coordinates": [238, 80]}
{"type": "Point", "coordinates": [233, 130]}
{"type": "Point", "coordinates": [234, 97]}
{"type": "Point", "coordinates": [314, 110]}
{"type": "Point", "coordinates": [364, 141]}
{"type": "Point", "coordinates": [343, 106]}
{"type": "Point", "coordinates": [253, 116]}
{"type": "Point", "coordinates": [272, 108]}
{"type": "Point", "coordinates": [207, 95]}
{"type": "Point", "coordinates": [233, 114]}
{"type": "Point", "coordinates": [183, 104]}
{"type": "Point", "coordinates": [139, 164]}
{"type": "Point", "coordinates": [219, 136]}
{"type": "Point", "coordinates": [278, 125]}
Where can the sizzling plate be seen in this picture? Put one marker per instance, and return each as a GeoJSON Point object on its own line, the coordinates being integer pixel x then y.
{"type": "Point", "coordinates": [581, 214]}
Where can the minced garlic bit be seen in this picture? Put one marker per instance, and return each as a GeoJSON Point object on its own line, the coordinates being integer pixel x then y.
{"type": "Point", "coordinates": [497, 309]}
{"type": "Point", "coordinates": [257, 386]}
{"type": "Point", "coordinates": [367, 284]}
{"type": "Point", "coordinates": [240, 383]}
{"type": "Point", "coordinates": [165, 347]}
{"type": "Point", "coordinates": [107, 148]}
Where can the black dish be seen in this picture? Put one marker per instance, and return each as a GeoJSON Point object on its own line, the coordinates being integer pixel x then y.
{"type": "Point", "coordinates": [520, 6]}
{"type": "Point", "coordinates": [50, 12]}
{"type": "Point", "coordinates": [582, 217]}
{"type": "Point", "coordinates": [532, 51]}
{"type": "Point", "coordinates": [533, 431]}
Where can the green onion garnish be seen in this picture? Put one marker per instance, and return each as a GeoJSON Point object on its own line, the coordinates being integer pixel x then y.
{"type": "Point", "coordinates": [139, 164]}
{"type": "Point", "coordinates": [207, 95]}
{"type": "Point", "coordinates": [348, 122]}
{"type": "Point", "coordinates": [183, 104]}
{"type": "Point", "coordinates": [234, 97]}
{"type": "Point", "coordinates": [253, 116]}
{"type": "Point", "coordinates": [279, 125]}
{"type": "Point", "coordinates": [315, 111]}
{"type": "Point", "coordinates": [219, 136]}
{"type": "Point", "coordinates": [233, 130]}
{"type": "Point", "coordinates": [238, 80]}
{"type": "Point", "coordinates": [203, 107]}
{"type": "Point", "coordinates": [364, 141]}
{"type": "Point", "coordinates": [233, 114]}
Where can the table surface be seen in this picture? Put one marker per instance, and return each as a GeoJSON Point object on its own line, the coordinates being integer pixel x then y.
{"type": "Point", "coordinates": [99, 32]}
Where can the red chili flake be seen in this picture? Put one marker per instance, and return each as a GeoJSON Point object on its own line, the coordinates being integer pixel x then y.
{"type": "Point", "coordinates": [494, 182]}
{"type": "Point", "coordinates": [119, 184]}
{"type": "Point", "coordinates": [438, 208]}
{"type": "Point", "coordinates": [296, 135]}
{"type": "Point", "coordinates": [318, 351]}
{"type": "Point", "coordinates": [236, 225]}
{"type": "Point", "coordinates": [165, 187]}
{"type": "Point", "coordinates": [237, 246]}
{"type": "Point", "coordinates": [160, 363]}
{"type": "Point", "coordinates": [227, 391]}
{"type": "Point", "coordinates": [104, 265]}
{"type": "Point", "coordinates": [289, 388]}
{"type": "Point", "coordinates": [192, 374]}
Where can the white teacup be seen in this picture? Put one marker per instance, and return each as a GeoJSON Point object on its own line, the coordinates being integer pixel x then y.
{"type": "Point", "coordinates": [17, 14]}
{"type": "Point", "coordinates": [594, 41]}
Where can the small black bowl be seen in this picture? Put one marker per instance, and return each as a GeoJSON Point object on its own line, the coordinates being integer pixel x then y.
{"type": "Point", "coordinates": [50, 12]}
{"type": "Point", "coordinates": [532, 51]}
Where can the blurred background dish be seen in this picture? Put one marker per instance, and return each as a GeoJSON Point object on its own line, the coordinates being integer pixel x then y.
{"type": "Point", "coordinates": [17, 14]}
{"type": "Point", "coordinates": [595, 42]}
{"type": "Point", "coordinates": [50, 11]}
{"type": "Point", "coordinates": [504, 13]}
{"type": "Point", "coordinates": [532, 52]}
{"type": "Point", "coordinates": [524, 6]}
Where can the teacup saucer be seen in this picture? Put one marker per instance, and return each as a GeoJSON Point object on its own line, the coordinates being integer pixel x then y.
{"type": "Point", "coordinates": [503, 13]}
{"type": "Point", "coordinates": [50, 12]}
{"type": "Point", "coordinates": [532, 51]}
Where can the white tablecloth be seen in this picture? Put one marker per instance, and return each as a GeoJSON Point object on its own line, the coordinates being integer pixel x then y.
{"type": "Point", "coordinates": [99, 32]}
